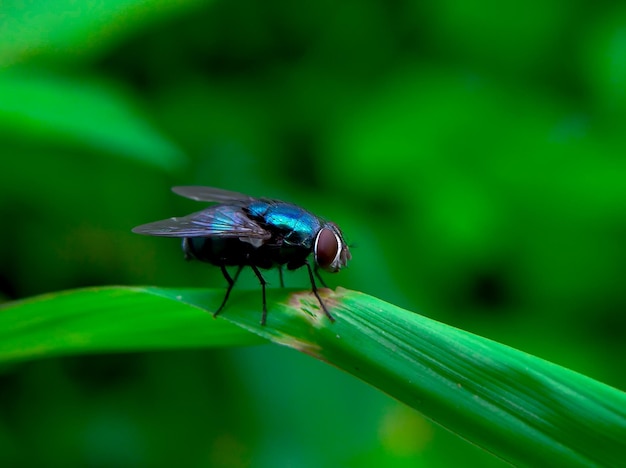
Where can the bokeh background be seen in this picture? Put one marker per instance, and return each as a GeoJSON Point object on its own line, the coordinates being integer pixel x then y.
{"type": "Point", "coordinates": [472, 152]}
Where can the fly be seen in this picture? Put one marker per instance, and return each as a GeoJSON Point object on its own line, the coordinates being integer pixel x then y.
{"type": "Point", "coordinates": [261, 233]}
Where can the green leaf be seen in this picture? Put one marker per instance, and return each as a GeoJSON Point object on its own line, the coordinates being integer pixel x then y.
{"type": "Point", "coordinates": [519, 407]}
{"type": "Point", "coordinates": [111, 319]}
{"type": "Point", "coordinates": [49, 107]}
{"type": "Point", "coordinates": [67, 28]}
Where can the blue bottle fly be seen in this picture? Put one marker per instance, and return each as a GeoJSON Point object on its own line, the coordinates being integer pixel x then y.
{"type": "Point", "coordinates": [257, 232]}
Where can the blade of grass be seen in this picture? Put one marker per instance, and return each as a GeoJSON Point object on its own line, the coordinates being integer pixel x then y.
{"type": "Point", "coordinates": [112, 319]}
{"type": "Point", "coordinates": [66, 30]}
{"type": "Point", "coordinates": [519, 407]}
{"type": "Point", "coordinates": [84, 112]}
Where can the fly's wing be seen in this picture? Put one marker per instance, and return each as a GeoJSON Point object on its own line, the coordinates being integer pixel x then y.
{"type": "Point", "coordinates": [218, 221]}
{"type": "Point", "coordinates": [210, 194]}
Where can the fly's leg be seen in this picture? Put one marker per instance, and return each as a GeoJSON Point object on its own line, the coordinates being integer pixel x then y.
{"type": "Point", "coordinates": [231, 283]}
{"type": "Point", "coordinates": [263, 283]}
{"type": "Point", "coordinates": [319, 277]}
{"type": "Point", "coordinates": [187, 249]}
{"type": "Point", "coordinates": [328, 314]}
{"type": "Point", "coordinates": [280, 275]}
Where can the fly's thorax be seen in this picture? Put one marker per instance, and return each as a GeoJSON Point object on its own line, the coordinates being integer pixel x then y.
{"type": "Point", "coordinates": [330, 250]}
{"type": "Point", "coordinates": [290, 223]}
{"type": "Point", "coordinates": [258, 208]}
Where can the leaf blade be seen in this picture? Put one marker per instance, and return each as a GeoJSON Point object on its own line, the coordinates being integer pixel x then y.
{"type": "Point", "coordinates": [110, 319]}
{"type": "Point", "coordinates": [517, 406]}
{"type": "Point", "coordinates": [85, 112]}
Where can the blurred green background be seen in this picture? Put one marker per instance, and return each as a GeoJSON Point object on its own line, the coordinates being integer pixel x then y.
{"type": "Point", "coordinates": [472, 152]}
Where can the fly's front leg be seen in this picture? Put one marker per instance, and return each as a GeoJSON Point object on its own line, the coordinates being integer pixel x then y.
{"type": "Point", "coordinates": [319, 277]}
{"type": "Point", "coordinates": [314, 287]}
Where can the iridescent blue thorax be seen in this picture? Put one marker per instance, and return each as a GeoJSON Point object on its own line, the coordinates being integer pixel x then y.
{"type": "Point", "coordinates": [294, 225]}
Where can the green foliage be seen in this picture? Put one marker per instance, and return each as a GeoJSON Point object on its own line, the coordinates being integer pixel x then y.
{"type": "Point", "coordinates": [108, 319]}
{"type": "Point", "coordinates": [103, 121]}
{"type": "Point", "coordinates": [473, 153]}
{"type": "Point", "coordinates": [521, 408]}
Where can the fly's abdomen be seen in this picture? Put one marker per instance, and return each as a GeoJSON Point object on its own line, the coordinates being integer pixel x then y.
{"type": "Point", "coordinates": [218, 251]}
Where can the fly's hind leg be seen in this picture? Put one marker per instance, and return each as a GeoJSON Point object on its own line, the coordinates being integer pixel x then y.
{"type": "Point", "coordinates": [231, 283]}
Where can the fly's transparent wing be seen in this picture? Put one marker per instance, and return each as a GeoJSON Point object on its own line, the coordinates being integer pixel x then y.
{"type": "Point", "coordinates": [218, 221]}
{"type": "Point", "coordinates": [210, 194]}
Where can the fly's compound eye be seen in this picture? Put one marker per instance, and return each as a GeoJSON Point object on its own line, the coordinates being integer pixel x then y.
{"type": "Point", "coordinates": [327, 249]}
